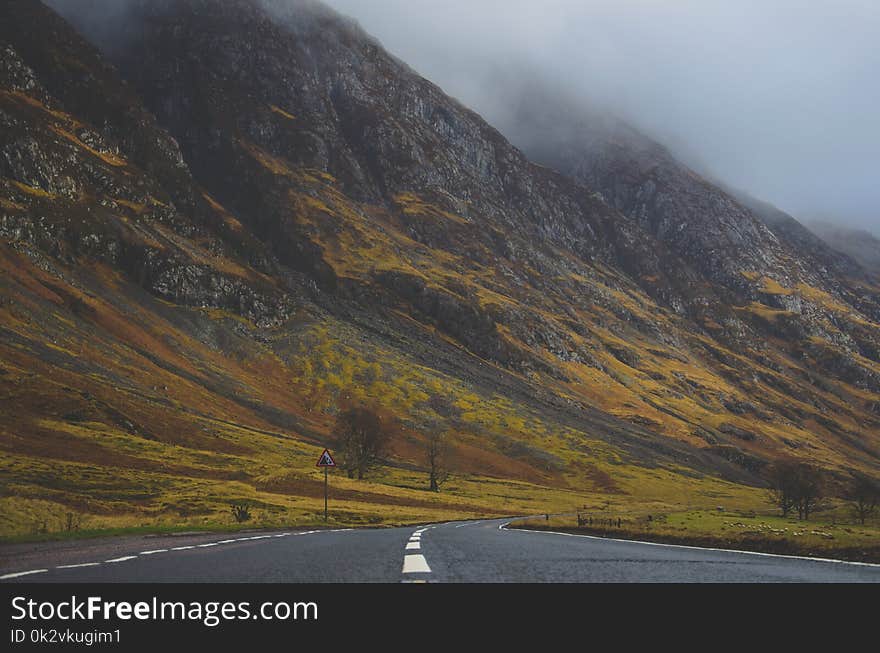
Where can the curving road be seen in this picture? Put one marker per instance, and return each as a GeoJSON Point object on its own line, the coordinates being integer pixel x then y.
{"type": "Point", "coordinates": [458, 552]}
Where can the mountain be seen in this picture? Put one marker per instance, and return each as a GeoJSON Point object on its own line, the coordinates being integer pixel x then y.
{"type": "Point", "coordinates": [801, 238]}
{"type": "Point", "coordinates": [861, 245]}
{"type": "Point", "coordinates": [751, 252]}
{"type": "Point", "coordinates": [221, 219]}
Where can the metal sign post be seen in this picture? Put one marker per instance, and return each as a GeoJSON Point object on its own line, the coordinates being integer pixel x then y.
{"type": "Point", "coordinates": [326, 461]}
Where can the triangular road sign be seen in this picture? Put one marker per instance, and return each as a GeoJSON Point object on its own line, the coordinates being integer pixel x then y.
{"type": "Point", "coordinates": [326, 460]}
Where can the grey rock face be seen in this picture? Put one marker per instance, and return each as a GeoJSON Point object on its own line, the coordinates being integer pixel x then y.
{"type": "Point", "coordinates": [67, 183]}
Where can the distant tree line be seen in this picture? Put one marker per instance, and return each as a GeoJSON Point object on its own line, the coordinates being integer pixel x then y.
{"type": "Point", "coordinates": [797, 486]}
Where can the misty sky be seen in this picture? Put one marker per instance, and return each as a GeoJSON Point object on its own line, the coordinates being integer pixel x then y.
{"type": "Point", "coordinates": [779, 98]}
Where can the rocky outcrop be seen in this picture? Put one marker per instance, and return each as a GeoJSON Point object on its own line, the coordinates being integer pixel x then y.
{"type": "Point", "coordinates": [87, 174]}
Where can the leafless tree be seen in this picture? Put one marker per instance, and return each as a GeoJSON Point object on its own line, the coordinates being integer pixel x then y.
{"type": "Point", "coordinates": [436, 455]}
{"type": "Point", "coordinates": [795, 485]}
{"type": "Point", "coordinates": [783, 485]}
{"type": "Point", "coordinates": [864, 496]}
{"type": "Point", "coordinates": [363, 434]}
{"type": "Point", "coordinates": [810, 485]}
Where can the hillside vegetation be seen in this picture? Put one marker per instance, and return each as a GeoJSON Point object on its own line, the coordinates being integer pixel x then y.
{"type": "Point", "coordinates": [199, 267]}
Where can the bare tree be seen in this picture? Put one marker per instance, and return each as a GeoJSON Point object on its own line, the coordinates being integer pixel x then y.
{"type": "Point", "coordinates": [810, 485]}
{"type": "Point", "coordinates": [864, 496]}
{"type": "Point", "coordinates": [795, 485]}
{"type": "Point", "coordinates": [783, 485]}
{"type": "Point", "coordinates": [363, 434]}
{"type": "Point", "coordinates": [436, 455]}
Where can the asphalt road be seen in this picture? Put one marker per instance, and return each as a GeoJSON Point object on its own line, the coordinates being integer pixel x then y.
{"type": "Point", "coordinates": [458, 552]}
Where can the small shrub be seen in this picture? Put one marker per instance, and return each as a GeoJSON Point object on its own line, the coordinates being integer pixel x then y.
{"type": "Point", "coordinates": [241, 512]}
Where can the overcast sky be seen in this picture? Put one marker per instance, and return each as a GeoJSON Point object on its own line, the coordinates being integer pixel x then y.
{"type": "Point", "coordinates": [777, 97]}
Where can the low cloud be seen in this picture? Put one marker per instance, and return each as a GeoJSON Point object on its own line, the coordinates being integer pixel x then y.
{"type": "Point", "coordinates": [778, 97]}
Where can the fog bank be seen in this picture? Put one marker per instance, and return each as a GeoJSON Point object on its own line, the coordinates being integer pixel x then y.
{"type": "Point", "coordinates": [780, 98]}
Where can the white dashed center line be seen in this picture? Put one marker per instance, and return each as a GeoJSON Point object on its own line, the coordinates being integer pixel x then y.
{"type": "Point", "coordinates": [415, 563]}
{"type": "Point", "coordinates": [82, 564]}
{"type": "Point", "coordinates": [122, 559]}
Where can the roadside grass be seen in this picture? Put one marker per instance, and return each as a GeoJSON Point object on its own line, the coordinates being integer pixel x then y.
{"type": "Point", "coordinates": [833, 533]}
{"type": "Point", "coordinates": [64, 499]}
{"type": "Point", "coordinates": [54, 499]}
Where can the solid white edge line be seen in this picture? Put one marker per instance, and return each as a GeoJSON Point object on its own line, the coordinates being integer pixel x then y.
{"type": "Point", "coordinates": [23, 573]}
{"type": "Point", "coordinates": [151, 552]}
{"type": "Point", "coordinates": [700, 548]}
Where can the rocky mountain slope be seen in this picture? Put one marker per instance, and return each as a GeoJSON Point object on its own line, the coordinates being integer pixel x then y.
{"type": "Point", "coordinates": [861, 245]}
{"type": "Point", "coordinates": [219, 219]}
{"type": "Point", "coordinates": [751, 251]}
